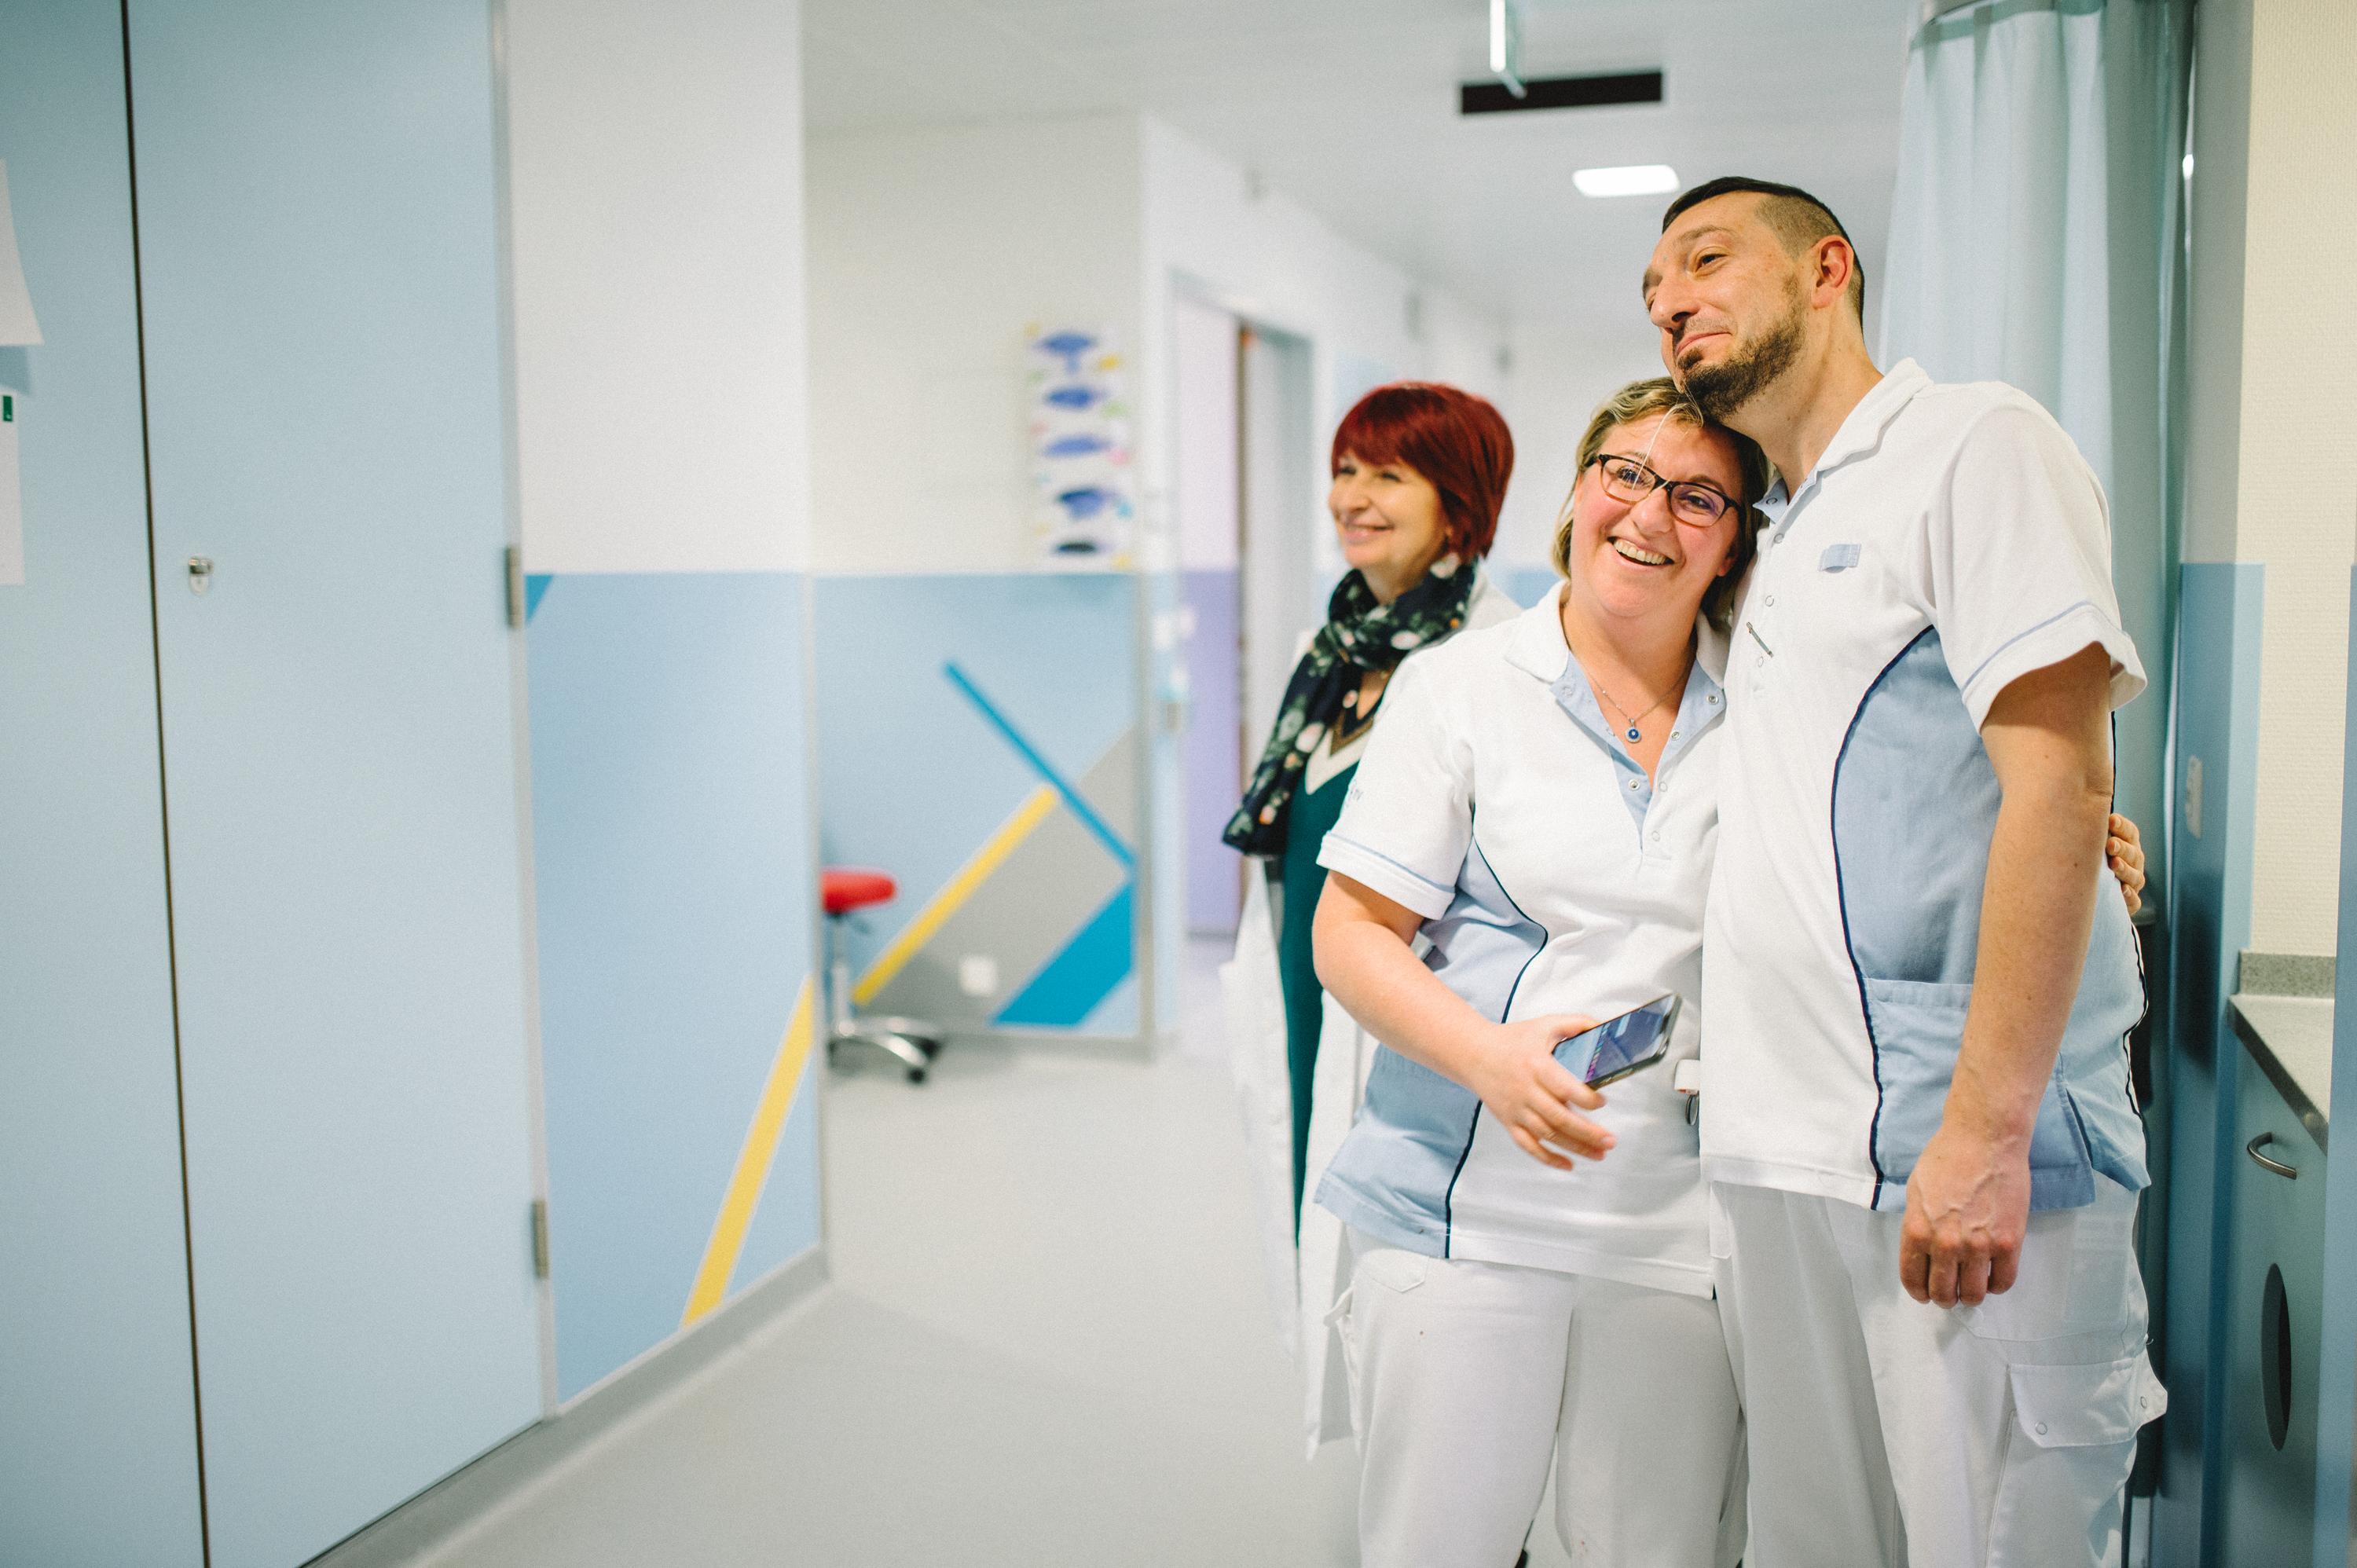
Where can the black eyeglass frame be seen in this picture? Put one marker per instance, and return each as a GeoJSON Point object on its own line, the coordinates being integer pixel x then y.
{"type": "Point", "coordinates": [1727, 503]}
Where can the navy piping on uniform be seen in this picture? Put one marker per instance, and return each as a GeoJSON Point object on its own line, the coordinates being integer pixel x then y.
{"type": "Point", "coordinates": [1513, 990]}
{"type": "Point", "coordinates": [1449, 1197]}
{"type": "Point", "coordinates": [1841, 894]}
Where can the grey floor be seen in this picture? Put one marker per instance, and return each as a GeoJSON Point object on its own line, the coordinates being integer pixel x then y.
{"type": "Point", "coordinates": [1047, 1342]}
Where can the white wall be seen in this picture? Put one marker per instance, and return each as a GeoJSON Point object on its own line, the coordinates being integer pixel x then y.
{"type": "Point", "coordinates": [1556, 380]}
{"type": "Point", "coordinates": [931, 250]}
{"type": "Point", "coordinates": [1211, 229]}
{"type": "Point", "coordinates": [1204, 378]}
{"type": "Point", "coordinates": [2273, 460]}
{"type": "Point", "coordinates": [655, 194]}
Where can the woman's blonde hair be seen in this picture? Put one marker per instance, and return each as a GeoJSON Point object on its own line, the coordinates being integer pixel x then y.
{"type": "Point", "coordinates": [1642, 400]}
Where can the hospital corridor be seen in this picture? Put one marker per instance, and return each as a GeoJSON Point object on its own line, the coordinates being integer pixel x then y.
{"type": "Point", "coordinates": [1196, 783]}
{"type": "Point", "coordinates": [1005, 1367]}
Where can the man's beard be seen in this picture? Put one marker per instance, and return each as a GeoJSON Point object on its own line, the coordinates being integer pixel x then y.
{"type": "Point", "coordinates": [1718, 391]}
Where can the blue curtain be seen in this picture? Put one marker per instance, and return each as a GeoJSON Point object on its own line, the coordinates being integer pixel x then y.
{"type": "Point", "coordinates": [2037, 237]}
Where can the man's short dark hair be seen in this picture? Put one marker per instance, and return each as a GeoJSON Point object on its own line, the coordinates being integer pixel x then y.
{"type": "Point", "coordinates": [1799, 218]}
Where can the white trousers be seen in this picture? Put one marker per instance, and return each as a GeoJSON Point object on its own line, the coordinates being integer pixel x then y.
{"type": "Point", "coordinates": [1466, 1378]}
{"type": "Point", "coordinates": [1885, 1433]}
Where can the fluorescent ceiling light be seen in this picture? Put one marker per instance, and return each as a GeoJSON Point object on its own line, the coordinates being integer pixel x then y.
{"type": "Point", "coordinates": [1635, 180]}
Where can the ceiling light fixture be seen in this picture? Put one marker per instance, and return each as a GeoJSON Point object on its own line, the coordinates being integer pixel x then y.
{"type": "Point", "coordinates": [1506, 46]}
{"type": "Point", "coordinates": [1628, 87]}
{"type": "Point", "coordinates": [1632, 180]}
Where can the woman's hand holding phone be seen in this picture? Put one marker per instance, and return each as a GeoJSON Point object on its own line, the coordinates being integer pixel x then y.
{"type": "Point", "coordinates": [1524, 1087]}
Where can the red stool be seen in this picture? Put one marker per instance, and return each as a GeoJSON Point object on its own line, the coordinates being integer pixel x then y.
{"type": "Point", "coordinates": [842, 890]}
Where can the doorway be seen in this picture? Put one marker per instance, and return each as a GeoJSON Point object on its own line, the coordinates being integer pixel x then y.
{"type": "Point", "coordinates": [1245, 489]}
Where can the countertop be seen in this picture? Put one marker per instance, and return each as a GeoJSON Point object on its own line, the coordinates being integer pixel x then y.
{"type": "Point", "coordinates": [2291, 1039]}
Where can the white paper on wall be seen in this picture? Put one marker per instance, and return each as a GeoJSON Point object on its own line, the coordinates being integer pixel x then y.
{"type": "Point", "coordinates": [17, 323]}
{"type": "Point", "coordinates": [12, 504]}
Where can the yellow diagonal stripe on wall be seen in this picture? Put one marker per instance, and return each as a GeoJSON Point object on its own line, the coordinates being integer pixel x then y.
{"type": "Point", "coordinates": [971, 875]}
{"type": "Point", "coordinates": [752, 1166]}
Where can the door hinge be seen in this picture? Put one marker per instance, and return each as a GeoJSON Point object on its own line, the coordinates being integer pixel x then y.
{"type": "Point", "coordinates": [539, 1237]}
{"type": "Point", "coordinates": [514, 568]}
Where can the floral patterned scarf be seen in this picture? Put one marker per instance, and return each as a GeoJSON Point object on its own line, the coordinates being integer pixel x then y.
{"type": "Point", "coordinates": [1360, 636]}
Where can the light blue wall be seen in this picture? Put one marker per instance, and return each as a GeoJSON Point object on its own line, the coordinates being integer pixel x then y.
{"type": "Point", "coordinates": [1527, 585]}
{"type": "Point", "coordinates": [98, 1452]}
{"type": "Point", "coordinates": [1353, 377]}
{"type": "Point", "coordinates": [671, 814]}
{"type": "Point", "coordinates": [913, 778]}
{"type": "Point", "coordinates": [1216, 757]}
{"type": "Point", "coordinates": [2217, 695]}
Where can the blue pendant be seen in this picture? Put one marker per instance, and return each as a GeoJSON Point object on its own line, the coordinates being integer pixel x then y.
{"type": "Point", "coordinates": [1633, 735]}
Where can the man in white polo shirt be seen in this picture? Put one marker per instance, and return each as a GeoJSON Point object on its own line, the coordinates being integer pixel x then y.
{"type": "Point", "coordinates": [1923, 1149]}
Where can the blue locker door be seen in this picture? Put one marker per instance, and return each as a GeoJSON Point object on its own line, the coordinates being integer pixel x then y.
{"type": "Point", "coordinates": [98, 1422]}
{"type": "Point", "coordinates": [2268, 1427]}
{"type": "Point", "coordinates": [318, 261]}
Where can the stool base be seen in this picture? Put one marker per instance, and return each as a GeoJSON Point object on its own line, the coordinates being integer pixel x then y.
{"type": "Point", "coordinates": [914, 1044]}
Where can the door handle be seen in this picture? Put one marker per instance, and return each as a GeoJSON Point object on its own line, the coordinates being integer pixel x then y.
{"type": "Point", "coordinates": [2289, 1172]}
{"type": "Point", "coordinates": [200, 573]}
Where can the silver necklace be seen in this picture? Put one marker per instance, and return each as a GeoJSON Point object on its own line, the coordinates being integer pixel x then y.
{"type": "Point", "coordinates": [1633, 720]}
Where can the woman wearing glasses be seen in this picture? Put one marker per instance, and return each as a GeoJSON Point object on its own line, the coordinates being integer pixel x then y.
{"type": "Point", "coordinates": [1540, 806]}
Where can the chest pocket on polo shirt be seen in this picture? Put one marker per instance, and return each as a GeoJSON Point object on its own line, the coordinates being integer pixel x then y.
{"type": "Point", "coordinates": [1839, 557]}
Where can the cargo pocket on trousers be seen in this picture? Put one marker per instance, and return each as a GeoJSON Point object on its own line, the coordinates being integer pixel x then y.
{"type": "Point", "coordinates": [2083, 1407]}
{"type": "Point", "coordinates": [2065, 1466]}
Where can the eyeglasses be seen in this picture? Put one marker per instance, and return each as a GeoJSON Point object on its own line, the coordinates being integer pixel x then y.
{"type": "Point", "coordinates": [1692, 503]}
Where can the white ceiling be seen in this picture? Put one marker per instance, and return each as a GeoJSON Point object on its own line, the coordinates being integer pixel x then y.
{"type": "Point", "coordinates": [1350, 107]}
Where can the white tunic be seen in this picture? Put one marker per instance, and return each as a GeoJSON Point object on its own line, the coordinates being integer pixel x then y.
{"type": "Point", "coordinates": [1950, 541]}
{"type": "Point", "coordinates": [1496, 801]}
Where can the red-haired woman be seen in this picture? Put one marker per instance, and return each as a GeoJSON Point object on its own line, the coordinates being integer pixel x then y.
{"type": "Point", "coordinates": [1420, 470]}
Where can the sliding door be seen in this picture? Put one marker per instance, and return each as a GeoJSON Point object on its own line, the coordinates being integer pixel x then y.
{"type": "Point", "coordinates": [98, 1428]}
{"type": "Point", "coordinates": [318, 251]}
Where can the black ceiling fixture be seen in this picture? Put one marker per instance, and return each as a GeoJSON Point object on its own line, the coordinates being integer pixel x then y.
{"type": "Point", "coordinates": [1560, 92]}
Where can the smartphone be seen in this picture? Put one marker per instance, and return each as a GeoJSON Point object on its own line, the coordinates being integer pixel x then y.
{"type": "Point", "coordinates": [1619, 1046]}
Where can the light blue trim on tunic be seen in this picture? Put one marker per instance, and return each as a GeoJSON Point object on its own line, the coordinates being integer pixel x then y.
{"type": "Point", "coordinates": [1394, 1175]}
{"type": "Point", "coordinates": [1702, 701]}
{"type": "Point", "coordinates": [1914, 803]}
